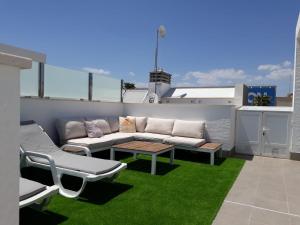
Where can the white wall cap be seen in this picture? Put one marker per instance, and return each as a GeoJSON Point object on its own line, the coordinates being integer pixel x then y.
{"type": "Point", "coordinates": [266, 108]}
{"type": "Point", "coordinates": [14, 60]}
{"type": "Point", "coordinates": [213, 92]}
{"type": "Point", "coordinates": [35, 56]}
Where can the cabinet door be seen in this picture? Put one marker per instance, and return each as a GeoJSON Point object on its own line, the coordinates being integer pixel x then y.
{"type": "Point", "coordinates": [276, 134]}
{"type": "Point", "coordinates": [248, 132]}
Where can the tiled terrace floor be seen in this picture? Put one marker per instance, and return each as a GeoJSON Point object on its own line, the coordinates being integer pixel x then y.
{"type": "Point", "coordinates": [267, 191]}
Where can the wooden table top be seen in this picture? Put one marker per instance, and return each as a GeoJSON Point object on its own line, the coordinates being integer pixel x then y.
{"type": "Point", "coordinates": [144, 146]}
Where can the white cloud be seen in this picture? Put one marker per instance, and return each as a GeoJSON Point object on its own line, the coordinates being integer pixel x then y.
{"type": "Point", "coordinates": [257, 78]}
{"type": "Point", "coordinates": [280, 74]}
{"type": "Point", "coordinates": [268, 67]}
{"type": "Point", "coordinates": [97, 70]}
{"type": "Point", "coordinates": [277, 72]}
{"type": "Point", "coordinates": [227, 76]}
{"type": "Point", "coordinates": [216, 76]}
{"type": "Point", "coordinates": [286, 63]}
{"type": "Point", "coordinates": [132, 74]}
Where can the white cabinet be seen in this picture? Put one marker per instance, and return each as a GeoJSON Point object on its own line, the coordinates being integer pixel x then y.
{"type": "Point", "coordinates": [263, 133]}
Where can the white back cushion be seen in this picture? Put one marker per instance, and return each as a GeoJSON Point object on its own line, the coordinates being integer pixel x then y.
{"type": "Point", "coordinates": [113, 122]}
{"type": "Point", "coordinates": [184, 128]}
{"type": "Point", "coordinates": [70, 128]}
{"type": "Point", "coordinates": [159, 126]}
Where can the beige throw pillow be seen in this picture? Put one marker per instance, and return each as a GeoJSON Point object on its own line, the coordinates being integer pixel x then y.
{"type": "Point", "coordinates": [140, 123]}
{"type": "Point", "coordinates": [127, 125]}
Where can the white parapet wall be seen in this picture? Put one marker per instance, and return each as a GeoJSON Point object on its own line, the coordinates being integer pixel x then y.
{"type": "Point", "coordinates": [296, 95]}
{"type": "Point", "coordinates": [10, 66]}
{"type": "Point", "coordinates": [46, 111]}
{"type": "Point", "coordinates": [220, 120]}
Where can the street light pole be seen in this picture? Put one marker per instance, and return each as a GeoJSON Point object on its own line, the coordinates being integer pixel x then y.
{"type": "Point", "coordinates": [156, 51]}
{"type": "Point", "coordinates": [161, 31]}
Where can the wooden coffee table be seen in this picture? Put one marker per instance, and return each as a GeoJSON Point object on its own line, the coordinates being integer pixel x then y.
{"type": "Point", "coordinates": [144, 147]}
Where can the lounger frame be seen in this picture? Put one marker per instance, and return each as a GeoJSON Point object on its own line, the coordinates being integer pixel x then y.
{"type": "Point", "coordinates": [40, 200]}
{"type": "Point", "coordinates": [58, 172]}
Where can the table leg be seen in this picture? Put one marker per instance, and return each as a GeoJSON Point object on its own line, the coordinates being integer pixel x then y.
{"type": "Point", "coordinates": [134, 155]}
{"type": "Point", "coordinates": [112, 154]}
{"type": "Point", "coordinates": [220, 153]}
{"type": "Point", "coordinates": [212, 158]}
{"type": "Point", "coordinates": [153, 164]}
{"type": "Point", "coordinates": [172, 156]}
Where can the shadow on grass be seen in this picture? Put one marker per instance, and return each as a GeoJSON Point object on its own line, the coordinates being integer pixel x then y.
{"type": "Point", "coordinates": [37, 174]}
{"type": "Point", "coordinates": [102, 192]}
{"type": "Point", "coordinates": [34, 217]}
{"type": "Point", "coordinates": [98, 192]}
{"type": "Point", "coordinates": [143, 165]}
{"type": "Point", "coordinates": [106, 155]}
{"type": "Point", "coordinates": [192, 156]}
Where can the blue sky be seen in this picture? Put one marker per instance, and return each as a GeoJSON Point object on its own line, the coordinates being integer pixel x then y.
{"type": "Point", "coordinates": [212, 42]}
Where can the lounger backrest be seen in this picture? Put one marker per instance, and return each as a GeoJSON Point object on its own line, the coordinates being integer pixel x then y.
{"type": "Point", "coordinates": [33, 138]}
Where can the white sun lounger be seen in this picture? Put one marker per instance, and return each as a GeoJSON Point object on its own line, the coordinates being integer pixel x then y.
{"type": "Point", "coordinates": [38, 150]}
{"type": "Point", "coordinates": [35, 194]}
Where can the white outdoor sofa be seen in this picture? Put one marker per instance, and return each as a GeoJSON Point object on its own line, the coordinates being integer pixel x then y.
{"type": "Point", "coordinates": [186, 135]}
{"type": "Point", "coordinates": [38, 150]}
{"type": "Point", "coordinates": [34, 194]}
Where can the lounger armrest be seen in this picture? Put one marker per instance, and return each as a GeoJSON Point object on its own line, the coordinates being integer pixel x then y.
{"type": "Point", "coordinates": [86, 150]}
{"type": "Point", "coordinates": [51, 163]}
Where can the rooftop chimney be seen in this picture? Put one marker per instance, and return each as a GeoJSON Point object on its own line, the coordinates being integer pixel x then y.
{"type": "Point", "coordinates": [159, 82]}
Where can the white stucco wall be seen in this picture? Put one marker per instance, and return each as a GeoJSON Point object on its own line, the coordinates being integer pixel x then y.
{"type": "Point", "coordinates": [45, 111]}
{"type": "Point", "coordinates": [220, 120]}
{"type": "Point", "coordinates": [296, 95]}
{"type": "Point", "coordinates": [9, 145]}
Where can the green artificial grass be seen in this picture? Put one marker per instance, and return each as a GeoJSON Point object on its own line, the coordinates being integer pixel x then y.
{"type": "Point", "coordinates": [189, 192]}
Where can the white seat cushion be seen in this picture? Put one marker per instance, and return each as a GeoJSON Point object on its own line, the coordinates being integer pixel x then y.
{"type": "Point", "coordinates": [150, 137]}
{"type": "Point", "coordinates": [119, 137]}
{"type": "Point", "coordinates": [184, 128]}
{"type": "Point", "coordinates": [91, 143]}
{"type": "Point", "coordinates": [159, 126]}
{"type": "Point", "coordinates": [81, 163]}
{"type": "Point", "coordinates": [185, 141]}
{"type": "Point", "coordinates": [29, 188]}
{"type": "Point", "coordinates": [105, 141]}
